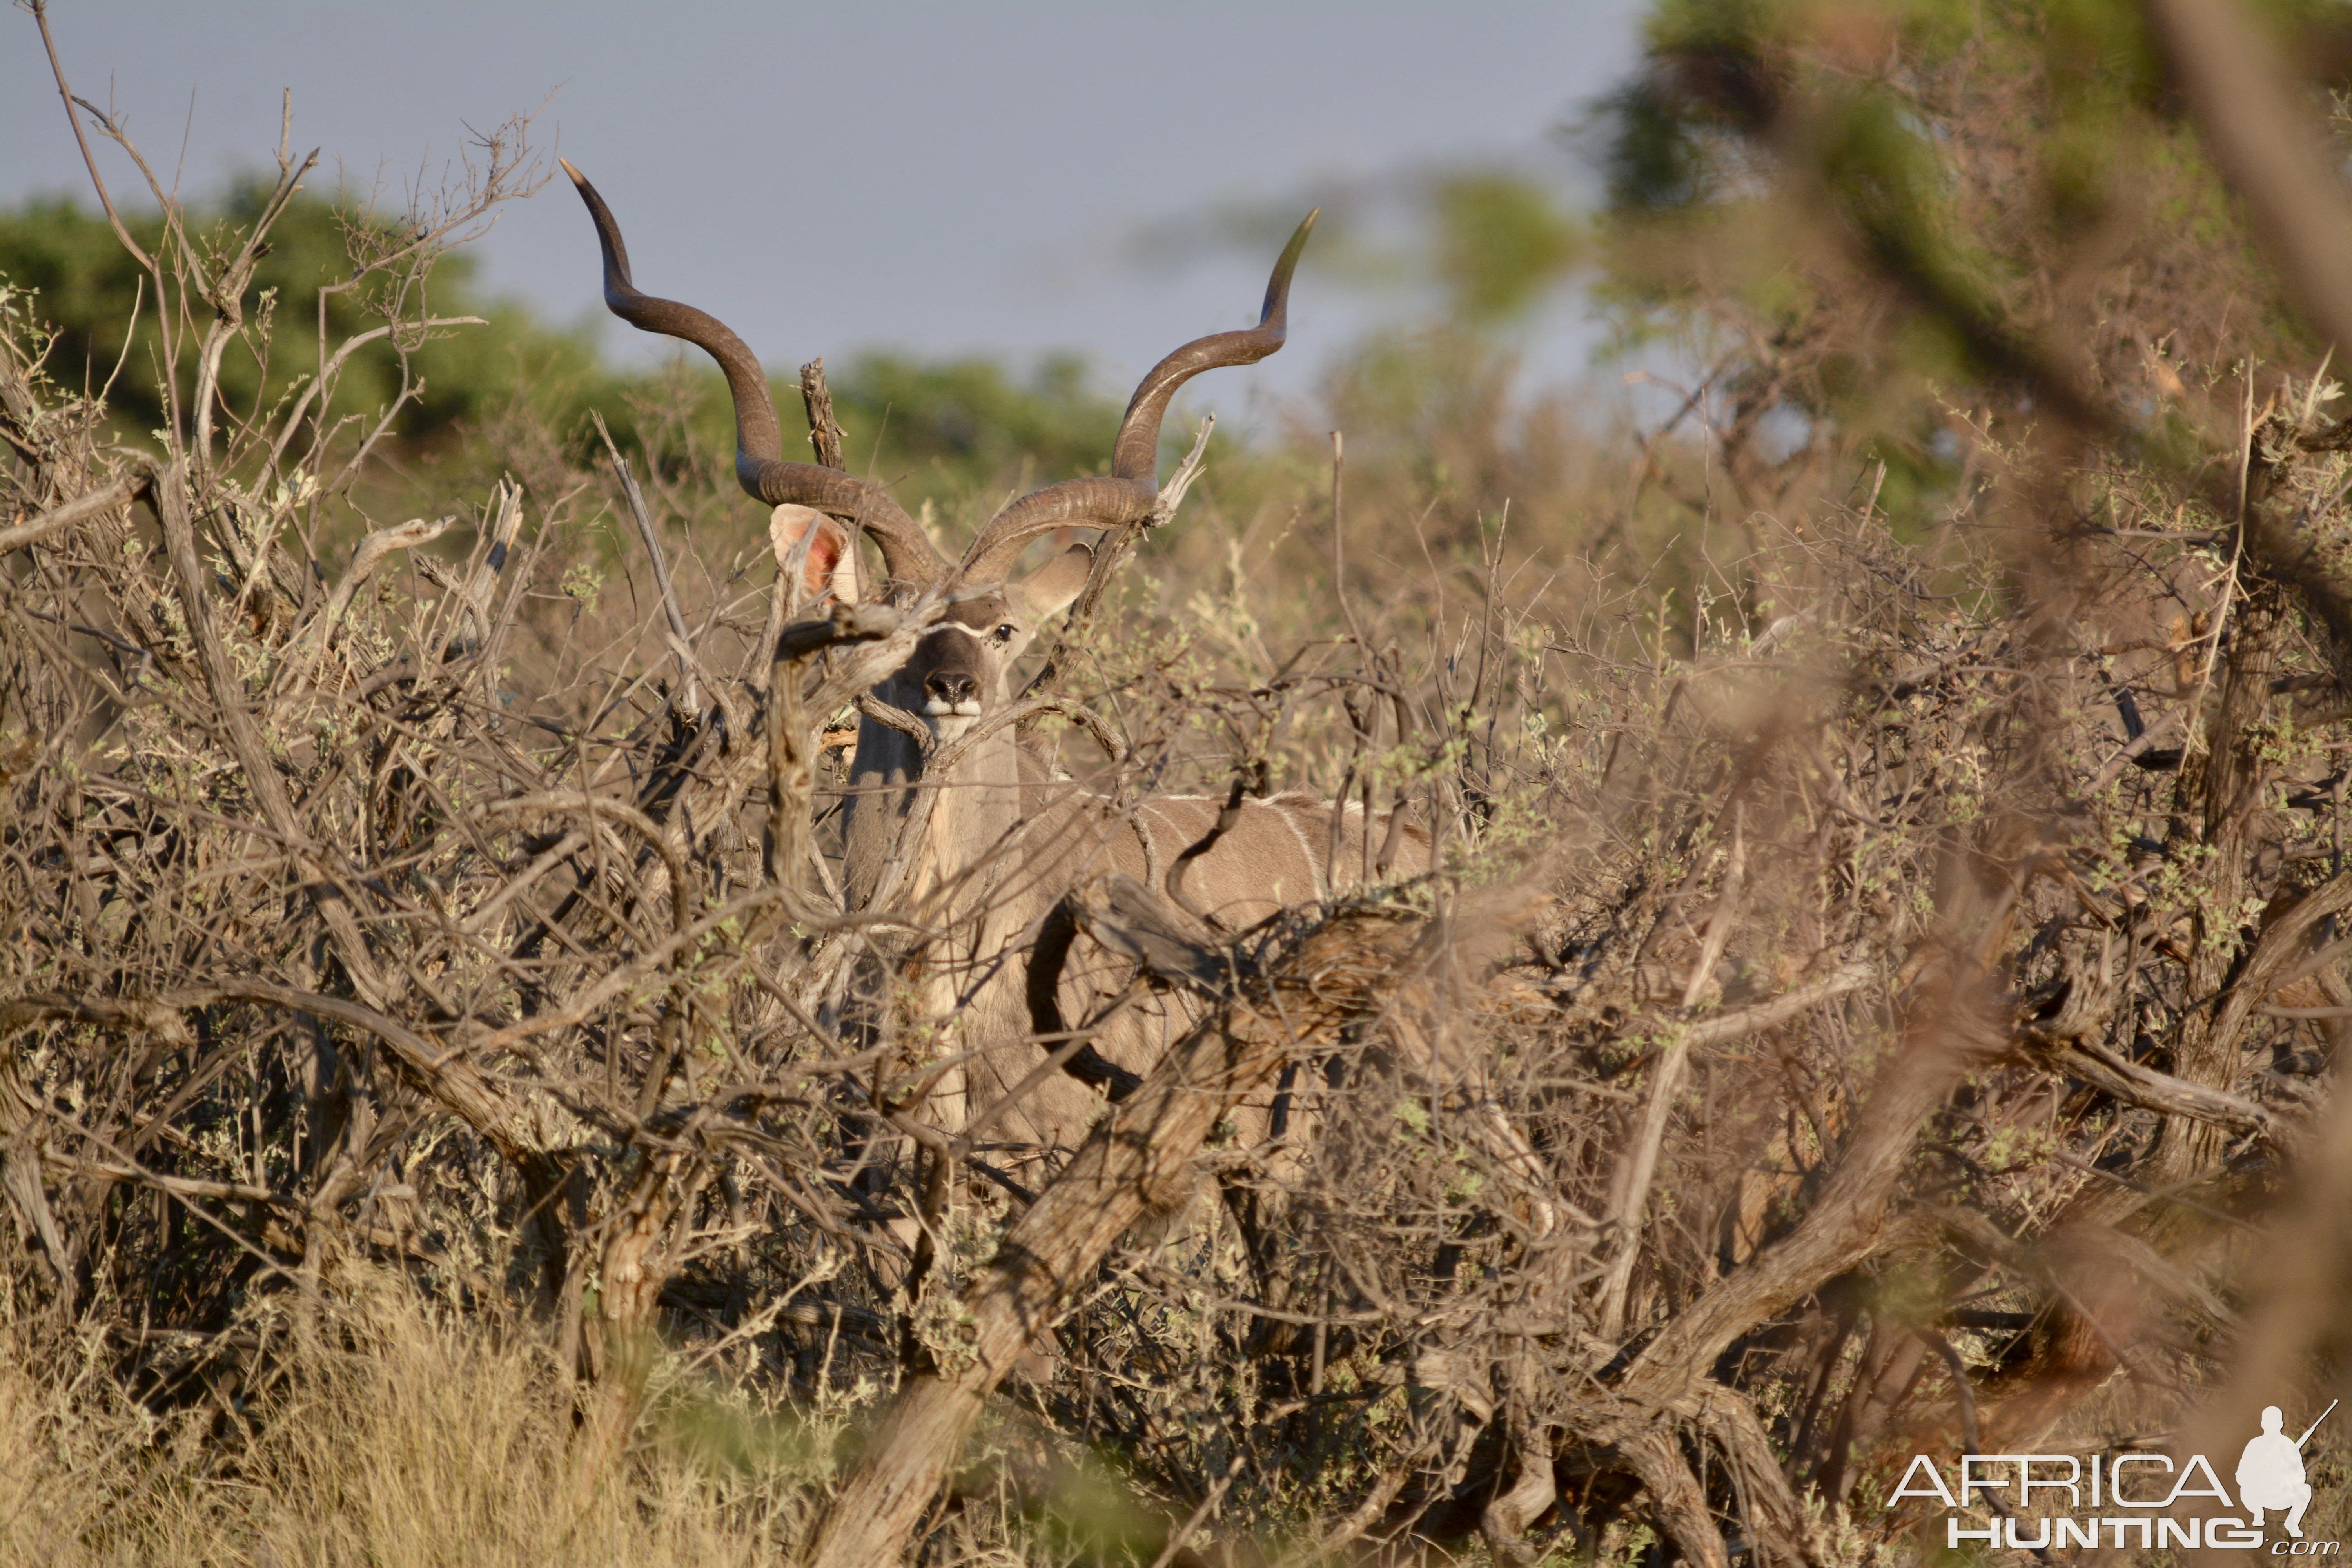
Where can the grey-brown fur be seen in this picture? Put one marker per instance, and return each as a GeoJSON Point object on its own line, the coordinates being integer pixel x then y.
{"type": "Point", "coordinates": [1005, 839]}
{"type": "Point", "coordinates": [1276, 855]}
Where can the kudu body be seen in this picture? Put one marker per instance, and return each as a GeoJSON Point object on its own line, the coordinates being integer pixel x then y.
{"type": "Point", "coordinates": [997, 838]}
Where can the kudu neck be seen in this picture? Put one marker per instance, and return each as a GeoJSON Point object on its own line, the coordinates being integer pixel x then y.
{"type": "Point", "coordinates": [973, 805]}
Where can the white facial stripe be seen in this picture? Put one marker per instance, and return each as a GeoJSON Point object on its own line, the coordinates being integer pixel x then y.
{"type": "Point", "coordinates": [949, 629]}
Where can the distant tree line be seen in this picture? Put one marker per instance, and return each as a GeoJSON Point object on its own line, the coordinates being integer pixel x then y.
{"type": "Point", "coordinates": [942, 428]}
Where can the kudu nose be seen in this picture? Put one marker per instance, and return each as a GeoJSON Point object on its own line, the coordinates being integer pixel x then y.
{"type": "Point", "coordinates": [951, 686]}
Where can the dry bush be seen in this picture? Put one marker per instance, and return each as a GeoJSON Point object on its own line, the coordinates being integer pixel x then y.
{"type": "Point", "coordinates": [1863, 1005]}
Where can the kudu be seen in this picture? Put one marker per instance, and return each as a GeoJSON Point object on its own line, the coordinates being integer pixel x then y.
{"type": "Point", "coordinates": [1006, 838]}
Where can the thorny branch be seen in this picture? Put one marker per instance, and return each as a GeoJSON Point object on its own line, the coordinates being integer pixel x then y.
{"type": "Point", "coordinates": [1827, 1035]}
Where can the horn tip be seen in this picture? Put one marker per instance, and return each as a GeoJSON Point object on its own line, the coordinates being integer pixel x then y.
{"type": "Point", "coordinates": [1297, 243]}
{"type": "Point", "coordinates": [577, 177]}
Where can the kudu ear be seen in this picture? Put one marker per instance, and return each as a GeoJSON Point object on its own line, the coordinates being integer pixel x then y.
{"type": "Point", "coordinates": [1052, 586]}
{"type": "Point", "coordinates": [828, 566]}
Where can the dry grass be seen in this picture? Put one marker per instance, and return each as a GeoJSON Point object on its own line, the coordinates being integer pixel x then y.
{"type": "Point", "coordinates": [413, 1439]}
{"type": "Point", "coordinates": [1884, 965]}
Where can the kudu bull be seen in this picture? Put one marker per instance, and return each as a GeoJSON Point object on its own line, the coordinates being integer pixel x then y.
{"type": "Point", "coordinates": [1006, 837]}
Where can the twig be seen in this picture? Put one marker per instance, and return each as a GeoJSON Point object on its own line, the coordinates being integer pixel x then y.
{"type": "Point", "coordinates": [1112, 553]}
{"type": "Point", "coordinates": [74, 513]}
{"type": "Point", "coordinates": [825, 431]}
{"type": "Point", "coordinates": [1339, 545]}
{"type": "Point", "coordinates": [681, 642]}
{"type": "Point", "coordinates": [1641, 1165]}
{"type": "Point", "coordinates": [1183, 1531]}
{"type": "Point", "coordinates": [40, 10]}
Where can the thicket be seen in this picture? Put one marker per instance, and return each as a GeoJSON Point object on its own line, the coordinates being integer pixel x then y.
{"type": "Point", "coordinates": [1881, 992]}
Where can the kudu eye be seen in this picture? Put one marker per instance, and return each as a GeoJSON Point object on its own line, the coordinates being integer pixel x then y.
{"type": "Point", "coordinates": [1004, 632]}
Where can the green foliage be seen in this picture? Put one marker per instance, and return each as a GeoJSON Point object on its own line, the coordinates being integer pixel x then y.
{"type": "Point", "coordinates": [972, 412]}
{"type": "Point", "coordinates": [952, 430]}
{"type": "Point", "coordinates": [1502, 243]}
{"type": "Point", "coordinates": [91, 293]}
{"type": "Point", "coordinates": [1878, 224]}
{"type": "Point", "coordinates": [957, 433]}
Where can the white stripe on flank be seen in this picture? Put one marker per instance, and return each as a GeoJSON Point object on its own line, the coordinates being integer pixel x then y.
{"type": "Point", "coordinates": [1305, 845]}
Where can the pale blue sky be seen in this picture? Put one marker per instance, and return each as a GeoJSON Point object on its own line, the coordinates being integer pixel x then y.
{"type": "Point", "coordinates": [933, 176]}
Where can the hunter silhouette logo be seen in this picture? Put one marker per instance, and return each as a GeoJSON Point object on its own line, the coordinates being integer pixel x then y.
{"type": "Point", "coordinates": [2147, 1493]}
{"type": "Point", "coordinates": [2270, 1472]}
